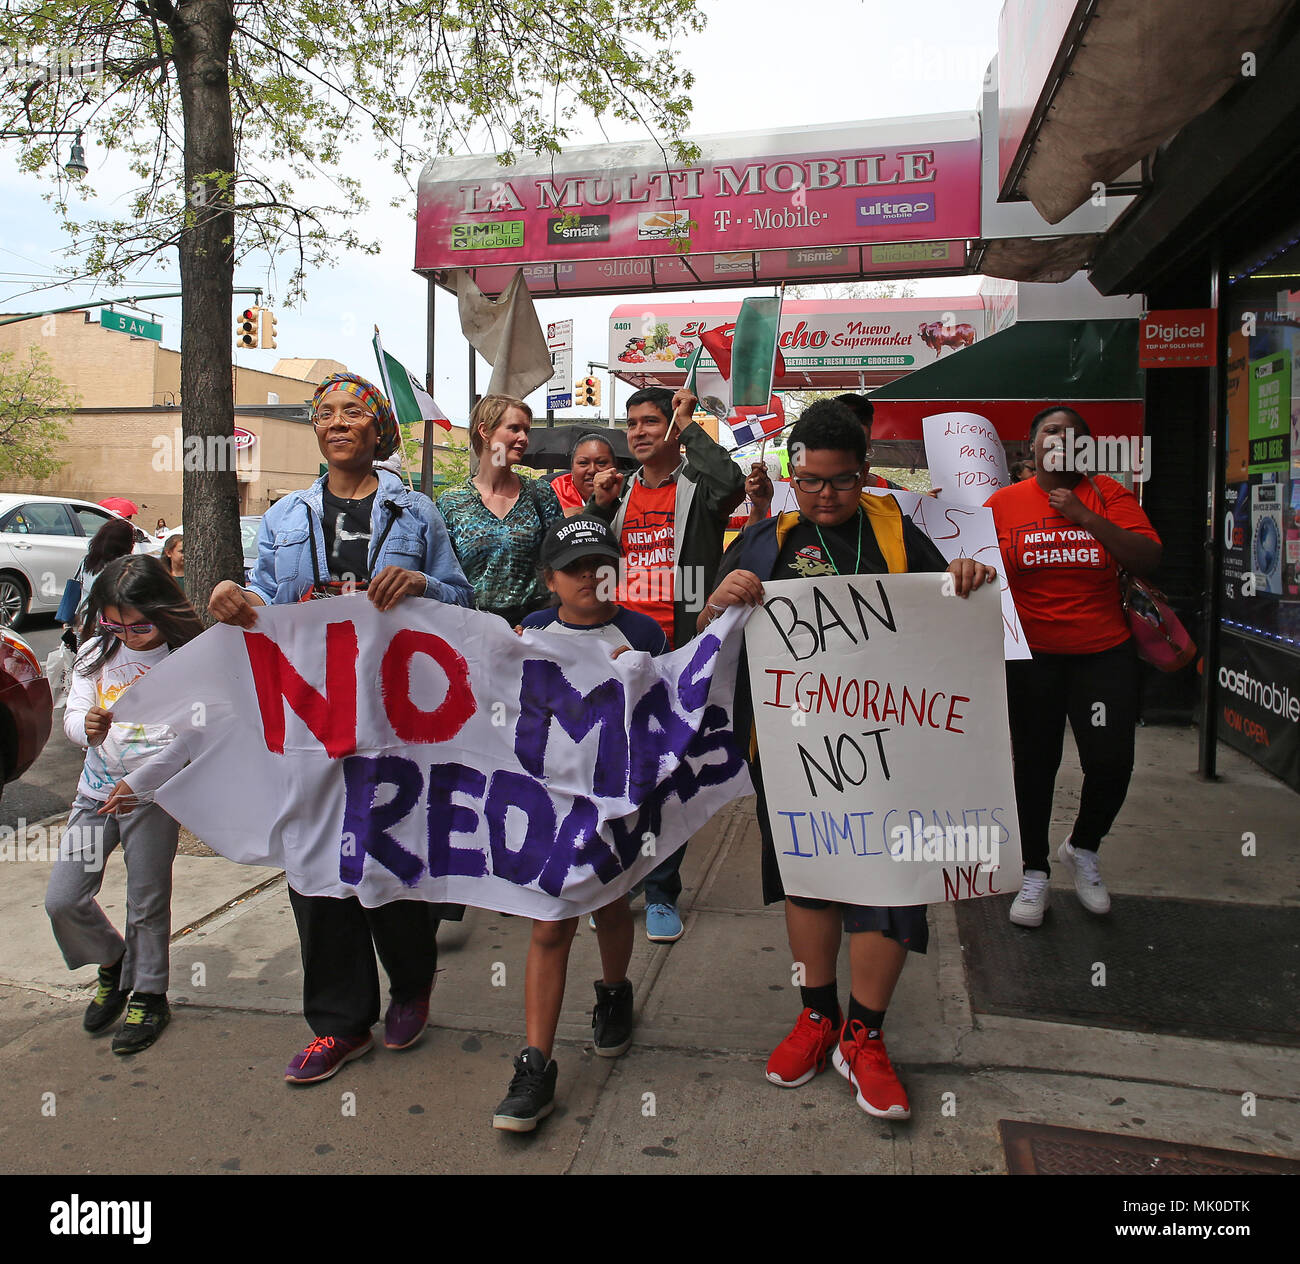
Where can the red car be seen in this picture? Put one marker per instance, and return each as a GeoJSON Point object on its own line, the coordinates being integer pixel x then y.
{"type": "Point", "coordinates": [26, 708]}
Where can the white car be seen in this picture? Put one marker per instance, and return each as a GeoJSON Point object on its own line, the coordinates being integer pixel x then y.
{"type": "Point", "coordinates": [42, 542]}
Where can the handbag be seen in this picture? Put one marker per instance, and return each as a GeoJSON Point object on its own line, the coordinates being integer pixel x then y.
{"type": "Point", "coordinates": [1158, 633]}
{"type": "Point", "coordinates": [67, 610]}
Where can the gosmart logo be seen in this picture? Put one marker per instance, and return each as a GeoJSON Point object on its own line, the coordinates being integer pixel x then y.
{"type": "Point", "coordinates": [916, 209]}
{"type": "Point", "coordinates": [584, 228]}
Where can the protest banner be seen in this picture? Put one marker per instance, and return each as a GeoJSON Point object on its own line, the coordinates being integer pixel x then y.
{"type": "Point", "coordinates": [881, 714]}
{"type": "Point", "coordinates": [429, 752]}
{"type": "Point", "coordinates": [956, 530]}
{"type": "Point", "coordinates": [966, 458]}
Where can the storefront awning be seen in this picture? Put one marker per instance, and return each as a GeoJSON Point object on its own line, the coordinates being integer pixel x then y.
{"type": "Point", "coordinates": [890, 197]}
{"type": "Point", "coordinates": [1093, 87]}
{"type": "Point", "coordinates": [1090, 365]}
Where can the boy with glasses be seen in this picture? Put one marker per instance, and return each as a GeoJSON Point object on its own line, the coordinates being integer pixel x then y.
{"type": "Point", "coordinates": [838, 530]}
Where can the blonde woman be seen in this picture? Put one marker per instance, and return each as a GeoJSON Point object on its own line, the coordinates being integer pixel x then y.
{"type": "Point", "coordinates": [496, 519]}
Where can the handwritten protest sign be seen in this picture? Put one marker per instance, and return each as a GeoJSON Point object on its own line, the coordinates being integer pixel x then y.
{"type": "Point", "coordinates": [966, 458]}
{"type": "Point", "coordinates": [431, 753]}
{"type": "Point", "coordinates": [957, 531]}
{"type": "Point", "coordinates": [881, 713]}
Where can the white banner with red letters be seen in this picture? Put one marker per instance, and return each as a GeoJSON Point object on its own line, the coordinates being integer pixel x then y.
{"type": "Point", "coordinates": [429, 752]}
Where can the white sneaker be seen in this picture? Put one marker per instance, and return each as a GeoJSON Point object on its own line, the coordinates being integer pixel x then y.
{"type": "Point", "coordinates": [1031, 902]}
{"type": "Point", "coordinates": [1088, 885]}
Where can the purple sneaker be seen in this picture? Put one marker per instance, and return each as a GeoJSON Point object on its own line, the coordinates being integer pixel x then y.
{"type": "Point", "coordinates": [405, 1021]}
{"type": "Point", "coordinates": [323, 1057]}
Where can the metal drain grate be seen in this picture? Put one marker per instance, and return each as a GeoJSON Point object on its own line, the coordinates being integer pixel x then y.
{"type": "Point", "coordinates": [1045, 1150]}
{"type": "Point", "coordinates": [1179, 967]}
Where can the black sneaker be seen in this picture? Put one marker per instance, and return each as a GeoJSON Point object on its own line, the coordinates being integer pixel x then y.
{"type": "Point", "coordinates": [531, 1096]}
{"type": "Point", "coordinates": [146, 1016]}
{"type": "Point", "coordinates": [611, 1020]}
{"type": "Point", "coordinates": [109, 1000]}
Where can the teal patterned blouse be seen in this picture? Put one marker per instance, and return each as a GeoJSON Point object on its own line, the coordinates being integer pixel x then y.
{"type": "Point", "coordinates": [500, 556]}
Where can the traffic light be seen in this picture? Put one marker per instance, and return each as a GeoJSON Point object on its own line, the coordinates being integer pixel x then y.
{"type": "Point", "coordinates": [268, 328]}
{"type": "Point", "coordinates": [587, 392]}
{"type": "Point", "coordinates": [246, 327]}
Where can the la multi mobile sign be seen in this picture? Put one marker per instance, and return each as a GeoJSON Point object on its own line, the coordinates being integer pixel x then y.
{"type": "Point", "coordinates": [1182, 338]}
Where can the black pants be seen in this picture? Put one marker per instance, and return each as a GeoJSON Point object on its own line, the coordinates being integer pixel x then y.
{"type": "Point", "coordinates": [663, 884]}
{"type": "Point", "coordinates": [340, 988]}
{"type": "Point", "coordinates": [1098, 693]}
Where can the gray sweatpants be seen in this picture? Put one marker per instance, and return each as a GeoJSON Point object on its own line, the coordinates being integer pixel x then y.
{"type": "Point", "coordinates": [85, 935]}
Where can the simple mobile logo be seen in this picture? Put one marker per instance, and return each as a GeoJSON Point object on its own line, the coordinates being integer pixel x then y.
{"type": "Point", "coordinates": [586, 228]}
{"type": "Point", "coordinates": [916, 209]}
{"type": "Point", "coordinates": [501, 234]}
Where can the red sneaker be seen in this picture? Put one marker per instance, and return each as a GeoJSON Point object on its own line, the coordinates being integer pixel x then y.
{"type": "Point", "coordinates": [803, 1052]}
{"type": "Point", "coordinates": [866, 1066]}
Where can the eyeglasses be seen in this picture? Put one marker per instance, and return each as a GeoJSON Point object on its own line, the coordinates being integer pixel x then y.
{"type": "Point", "coordinates": [838, 482]}
{"type": "Point", "coordinates": [349, 416]}
{"type": "Point", "coordinates": [124, 629]}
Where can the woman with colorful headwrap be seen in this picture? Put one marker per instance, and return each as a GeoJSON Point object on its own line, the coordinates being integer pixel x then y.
{"type": "Point", "coordinates": [355, 528]}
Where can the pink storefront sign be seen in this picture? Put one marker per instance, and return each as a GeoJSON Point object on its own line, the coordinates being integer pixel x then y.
{"type": "Point", "coordinates": [836, 201]}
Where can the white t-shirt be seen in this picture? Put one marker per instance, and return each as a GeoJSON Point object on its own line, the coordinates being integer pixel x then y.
{"type": "Point", "coordinates": [127, 746]}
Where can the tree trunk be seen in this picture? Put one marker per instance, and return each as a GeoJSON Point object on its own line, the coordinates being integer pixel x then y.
{"type": "Point", "coordinates": [202, 31]}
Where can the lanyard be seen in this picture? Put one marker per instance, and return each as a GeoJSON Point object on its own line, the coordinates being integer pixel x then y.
{"type": "Point", "coordinates": [858, 560]}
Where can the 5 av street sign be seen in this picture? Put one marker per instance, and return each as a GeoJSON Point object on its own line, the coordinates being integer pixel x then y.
{"type": "Point", "coordinates": [120, 323]}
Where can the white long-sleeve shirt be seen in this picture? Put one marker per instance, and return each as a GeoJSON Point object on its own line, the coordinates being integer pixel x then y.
{"type": "Point", "coordinates": [127, 746]}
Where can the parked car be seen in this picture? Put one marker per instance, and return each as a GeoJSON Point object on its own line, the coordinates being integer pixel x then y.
{"type": "Point", "coordinates": [26, 708]}
{"type": "Point", "coordinates": [42, 542]}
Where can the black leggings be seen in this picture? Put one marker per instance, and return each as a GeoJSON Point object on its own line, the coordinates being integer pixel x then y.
{"type": "Point", "coordinates": [1098, 693]}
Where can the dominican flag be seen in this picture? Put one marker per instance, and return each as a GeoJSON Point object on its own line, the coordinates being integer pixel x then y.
{"type": "Point", "coordinates": [411, 402]}
{"type": "Point", "coordinates": [750, 424]}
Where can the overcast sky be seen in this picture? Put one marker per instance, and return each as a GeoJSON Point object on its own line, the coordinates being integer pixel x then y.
{"type": "Point", "coordinates": [759, 64]}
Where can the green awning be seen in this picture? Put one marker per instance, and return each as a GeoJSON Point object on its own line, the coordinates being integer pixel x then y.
{"type": "Point", "coordinates": [1040, 359]}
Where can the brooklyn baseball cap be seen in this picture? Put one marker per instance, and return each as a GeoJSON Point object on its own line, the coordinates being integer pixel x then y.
{"type": "Point", "coordinates": [575, 538]}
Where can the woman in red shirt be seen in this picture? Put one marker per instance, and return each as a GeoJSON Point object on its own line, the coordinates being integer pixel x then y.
{"type": "Point", "coordinates": [1064, 538]}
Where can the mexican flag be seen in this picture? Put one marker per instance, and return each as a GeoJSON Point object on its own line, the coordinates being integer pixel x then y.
{"type": "Point", "coordinates": [747, 358]}
{"type": "Point", "coordinates": [410, 401]}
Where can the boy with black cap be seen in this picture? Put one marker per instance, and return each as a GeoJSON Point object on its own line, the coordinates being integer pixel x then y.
{"type": "Point", "coordinates": [580, 566]}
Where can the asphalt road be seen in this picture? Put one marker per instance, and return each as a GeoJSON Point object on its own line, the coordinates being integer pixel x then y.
{"type": "Point", "coordinates": [49, 785]}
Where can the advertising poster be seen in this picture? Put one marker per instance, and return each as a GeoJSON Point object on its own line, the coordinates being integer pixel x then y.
{"type": "Point", "coordinates": [1238, 428]}
{"type": "Point", "coordinates": [1259, 699]}
{"type": "Point", "coordinates": [1270, 413]}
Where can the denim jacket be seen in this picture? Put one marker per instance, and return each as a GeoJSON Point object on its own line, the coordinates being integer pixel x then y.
{"type": "Point", "coordinates": [417, 541]}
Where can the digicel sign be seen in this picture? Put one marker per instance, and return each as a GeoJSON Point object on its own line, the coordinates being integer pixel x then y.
{"type": "Point", "coordinates": [1177, 339]}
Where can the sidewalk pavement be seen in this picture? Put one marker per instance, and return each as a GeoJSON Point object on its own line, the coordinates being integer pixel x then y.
{"type": "Point", "coordinates": [690, 1095]}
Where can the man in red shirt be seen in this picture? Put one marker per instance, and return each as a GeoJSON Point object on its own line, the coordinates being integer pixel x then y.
{"type": "Point", "coordinates": [670, 517]}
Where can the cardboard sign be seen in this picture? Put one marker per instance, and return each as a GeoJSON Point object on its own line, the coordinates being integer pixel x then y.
{"type": "Point", "coordinates": [881, 711]}
{"type": "Point", "coordinates": [956, 530]}
{"type": "Point", "coordinates": [966, 458]}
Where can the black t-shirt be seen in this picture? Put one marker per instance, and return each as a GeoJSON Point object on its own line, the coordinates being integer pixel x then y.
{"type": "Point", "coordinates": [804, 552]}
{"type": "Point", "coordinates": [347, 536]}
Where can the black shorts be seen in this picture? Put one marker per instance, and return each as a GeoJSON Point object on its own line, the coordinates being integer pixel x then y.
{"type": "Point", "coordinates": [907, 924]}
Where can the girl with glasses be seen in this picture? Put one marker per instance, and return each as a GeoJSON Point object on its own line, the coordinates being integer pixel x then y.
{"type": "Point", "coordinates": [137, 616]}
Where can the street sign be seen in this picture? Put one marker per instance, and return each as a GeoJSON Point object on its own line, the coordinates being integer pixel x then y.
{"type": "Point", "coordinates": [121, 323]}
{"type": "Point", "coordinates": [559, 339]}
